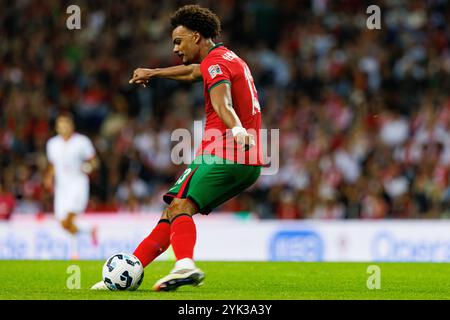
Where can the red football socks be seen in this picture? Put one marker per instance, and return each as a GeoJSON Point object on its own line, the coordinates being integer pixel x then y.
{"type": "Point", "coordinates": [183, 235]}
{"type": "Point", "coordinates": [156, 243]}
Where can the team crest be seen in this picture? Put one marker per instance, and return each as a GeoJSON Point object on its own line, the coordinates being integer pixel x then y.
{"type": "Point", "coordinates": [214, 70]}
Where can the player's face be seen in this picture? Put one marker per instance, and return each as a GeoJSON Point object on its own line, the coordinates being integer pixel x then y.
{"type": "Point", "coordinates": [186, 44]}
{"type": "Point", "coordinates": [64, 127]}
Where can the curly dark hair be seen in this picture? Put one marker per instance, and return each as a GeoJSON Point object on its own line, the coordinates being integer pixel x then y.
{"type": "Point", "coordinates": [198, 19]}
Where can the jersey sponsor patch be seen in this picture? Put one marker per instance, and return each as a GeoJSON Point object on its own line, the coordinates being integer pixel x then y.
{"type": "Point", "coordinates": [214, 70]}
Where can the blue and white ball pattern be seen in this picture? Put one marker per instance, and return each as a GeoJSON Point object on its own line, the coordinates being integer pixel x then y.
{"type": "Point", "coordinates": [123, 271]}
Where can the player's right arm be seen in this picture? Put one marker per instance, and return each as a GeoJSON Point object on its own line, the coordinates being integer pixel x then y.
{"type": "Point", "coordinates": [49, 173]}
{"type": "Point", "coordinates": [189, 73]}
{"type": "Point", "coordinates": [48, 177]}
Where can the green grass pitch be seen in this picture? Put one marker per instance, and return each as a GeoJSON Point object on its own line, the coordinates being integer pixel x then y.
{"type": "Point", "coordinates": [235, 281]}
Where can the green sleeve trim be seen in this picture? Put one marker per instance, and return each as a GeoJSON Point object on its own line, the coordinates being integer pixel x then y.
{"type": "Point", "coordinates": [217, 83]}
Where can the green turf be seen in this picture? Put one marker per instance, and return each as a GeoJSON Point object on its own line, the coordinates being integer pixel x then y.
{"type": "Point", "coordinates": [236, 280]}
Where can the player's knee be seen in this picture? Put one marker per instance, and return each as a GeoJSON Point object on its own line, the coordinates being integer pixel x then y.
{"type": "Point", "coordinates": [165, 214]}
{"type": "Point", "coordinates": [179, 206]}
{"type": "Point", "coordinates": [71, 217]}
{"type": "Point", "coordinates": [65, 224]}
{"type": "Point", "coordinates": [172, 212]}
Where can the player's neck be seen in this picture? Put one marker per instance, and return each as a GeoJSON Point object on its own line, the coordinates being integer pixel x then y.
{"type": "Point", "coordinates": [206, 48]}
{"type": "Point", "coordinates": [67, 137]}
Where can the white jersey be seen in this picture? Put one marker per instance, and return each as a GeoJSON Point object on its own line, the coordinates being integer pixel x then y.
{"type": "Point", "coordinates": [71, 183]}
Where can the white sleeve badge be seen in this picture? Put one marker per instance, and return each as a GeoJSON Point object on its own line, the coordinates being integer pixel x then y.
{"type": "Point", "coordinates": [214, 70]}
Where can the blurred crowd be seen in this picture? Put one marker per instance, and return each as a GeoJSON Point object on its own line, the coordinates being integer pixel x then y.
{"type": "Point", "coordinates": [364, 115]}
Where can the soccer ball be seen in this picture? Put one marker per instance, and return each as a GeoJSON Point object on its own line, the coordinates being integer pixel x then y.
{"type": "Point", "coordinates": [123, 271]}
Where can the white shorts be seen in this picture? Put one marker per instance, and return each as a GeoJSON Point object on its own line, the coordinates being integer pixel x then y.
{"type": "Point", "coordinates": [71, 198]}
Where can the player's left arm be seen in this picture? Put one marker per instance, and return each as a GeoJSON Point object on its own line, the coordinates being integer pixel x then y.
{"type": "Point", "coordinates": [90, 165]}
{"type": "Point", "coordinates": [91, 162]}
{"type": "Point", "coordinates": [222, 103]}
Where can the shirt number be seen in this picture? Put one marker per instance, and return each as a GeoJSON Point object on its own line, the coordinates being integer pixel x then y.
{"type": "Point", "coordinates": [185, 174]}
{"type": "Point", "coordinates": [251, 86]}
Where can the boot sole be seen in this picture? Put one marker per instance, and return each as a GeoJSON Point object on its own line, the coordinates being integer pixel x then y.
{"type": "Point", "coordinates": [195, 279]}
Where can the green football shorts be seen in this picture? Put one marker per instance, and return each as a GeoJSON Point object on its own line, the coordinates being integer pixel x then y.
{"type": "Point", "coordinates": [210, 181]}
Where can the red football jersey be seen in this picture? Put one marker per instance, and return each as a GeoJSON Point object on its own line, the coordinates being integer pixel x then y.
{"type": "Point", "coordinates": [224, 66]}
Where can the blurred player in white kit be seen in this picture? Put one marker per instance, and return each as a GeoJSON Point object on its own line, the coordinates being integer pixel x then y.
{"type": "Point", "coordinates": [71, 158]}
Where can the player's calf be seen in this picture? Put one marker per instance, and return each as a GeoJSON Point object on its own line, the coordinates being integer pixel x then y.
{"type": "Point", "coordinates": [154, 244]}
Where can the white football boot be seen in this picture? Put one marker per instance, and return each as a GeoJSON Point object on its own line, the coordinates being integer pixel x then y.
{"type": "Point", "coordinates": [184, 273]}
{"type": "Point", "coordinates": [99, 286]}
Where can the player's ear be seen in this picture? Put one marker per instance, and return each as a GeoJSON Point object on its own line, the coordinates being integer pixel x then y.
{"type": "Point", "coordinates": [197, 37]}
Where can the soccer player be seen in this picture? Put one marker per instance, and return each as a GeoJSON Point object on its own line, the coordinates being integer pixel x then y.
{"type": "Point", "coordinates": [71, 158]}
{"type": "Point", "coordinates": [229, 158]}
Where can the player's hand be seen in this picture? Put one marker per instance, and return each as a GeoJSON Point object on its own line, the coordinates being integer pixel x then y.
{"type": "Point", "coordinates": [141, 76]}
{"type": "Point", "coordinates": [244, 139]}
{"type": "Point", "coordinates": [87, 168]}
